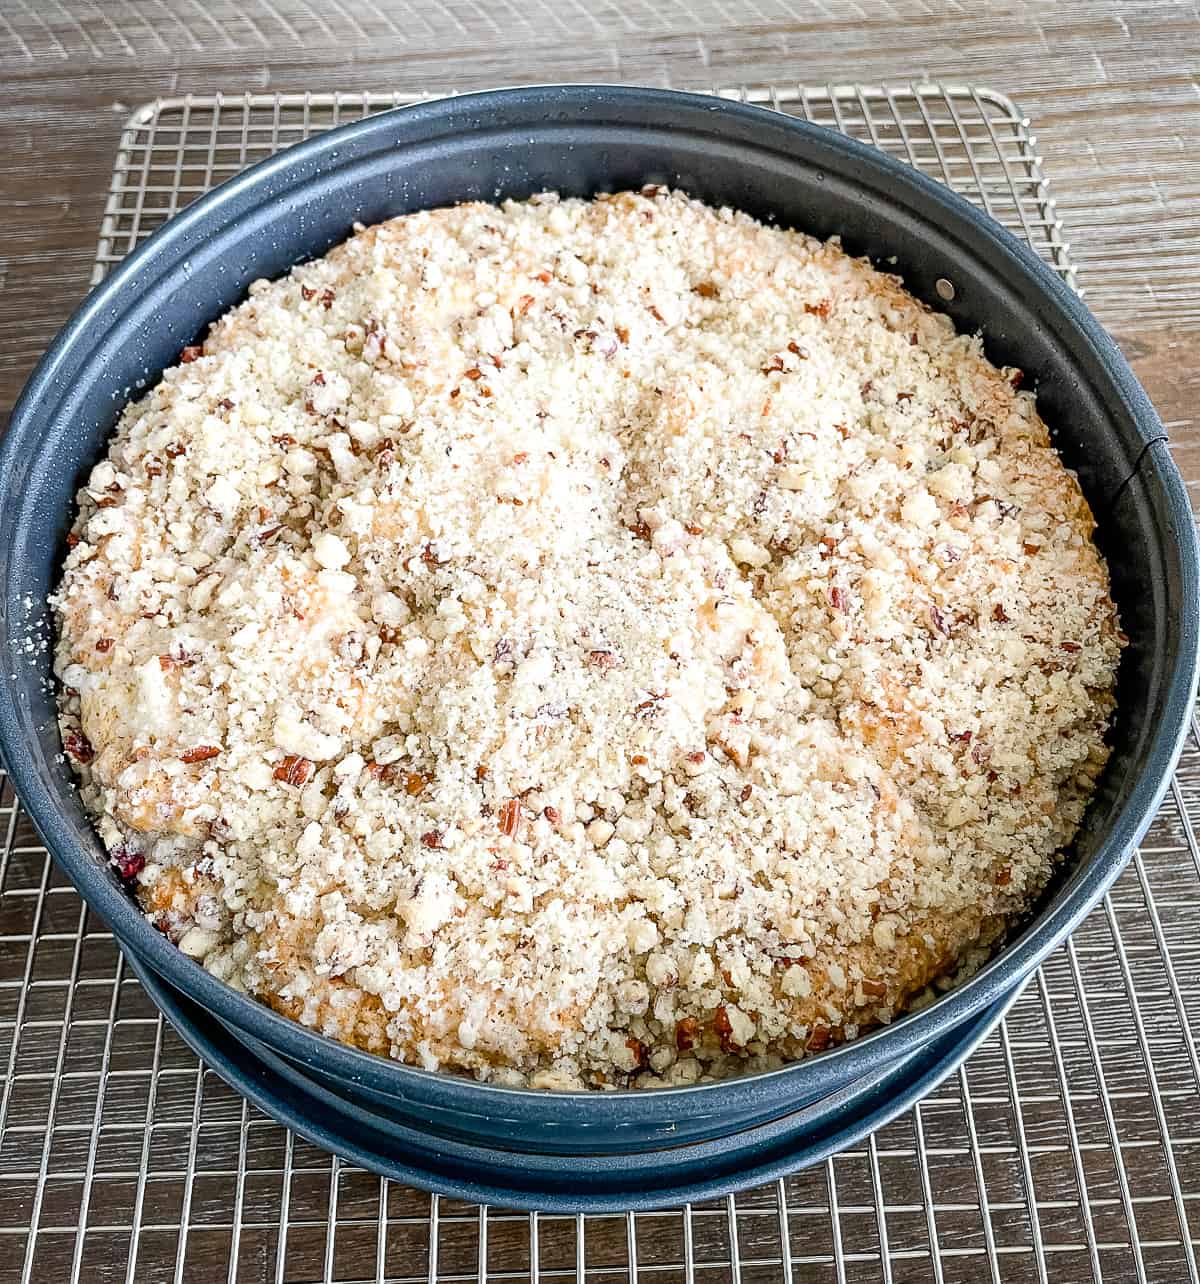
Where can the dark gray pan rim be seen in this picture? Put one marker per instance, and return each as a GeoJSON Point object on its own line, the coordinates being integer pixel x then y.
{"type": "Point", "coordinates": [771, 1152]}
{"type": "Point", "coordinates": [561, 109]}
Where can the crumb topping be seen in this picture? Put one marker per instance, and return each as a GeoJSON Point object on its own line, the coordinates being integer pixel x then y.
{"type": "Point", "coordinates": [583, 643]}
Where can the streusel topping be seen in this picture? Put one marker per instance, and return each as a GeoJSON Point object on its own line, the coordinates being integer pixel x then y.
{"type": "Point", "coordinates": [585, 642]}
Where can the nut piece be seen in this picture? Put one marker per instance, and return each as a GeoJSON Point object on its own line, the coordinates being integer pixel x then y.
{"type": "Point", "coordinates": [732, 1027]}
{"type": "Point", "coordinates": [79, 747]}
{"type": "Point", "coordinates": [128, 863]}
{"type": "Point", "coordinates": [723, 1029]}
{"type": "Point", "coordinates": [509, 818]}
{"type": "Point", "coordinates": [294, 770]}
{"type": "Point", "coordinates": [819, 1037]}
{"type": "Point", "coordinates": [687, 1034]}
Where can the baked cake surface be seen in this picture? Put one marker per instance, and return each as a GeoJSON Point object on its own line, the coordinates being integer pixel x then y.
{"type": "Point", "coordinates": [585, 644]}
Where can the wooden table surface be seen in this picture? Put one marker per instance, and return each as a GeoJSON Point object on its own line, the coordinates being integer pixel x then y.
{"type": "Point", "coordinates": [1111, 89]}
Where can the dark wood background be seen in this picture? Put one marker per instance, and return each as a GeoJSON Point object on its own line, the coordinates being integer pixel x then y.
{"type": "Point", "coordinates": [1112, 89]}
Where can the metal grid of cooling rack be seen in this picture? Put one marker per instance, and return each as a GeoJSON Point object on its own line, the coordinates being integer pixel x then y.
{"type": "Point", "coordinates": [1067, 1149]}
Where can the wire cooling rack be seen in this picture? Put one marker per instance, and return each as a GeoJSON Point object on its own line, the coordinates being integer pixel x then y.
{"type": "Point", "coordinates": [1067, 1149]}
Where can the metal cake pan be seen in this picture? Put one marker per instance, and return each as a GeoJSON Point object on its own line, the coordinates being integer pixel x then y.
{"type": "Point", "coordinates": [580, 140]}
{"type": "Point", "coordinates": [511, 1177]}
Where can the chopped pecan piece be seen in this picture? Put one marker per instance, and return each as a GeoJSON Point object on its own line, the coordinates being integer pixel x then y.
{"type": "Point", "coordinates": [79, 747]}
{"type": "Point", "coordinates": [128, 863]}
{"type": "Point", "coordinates": [294, 770]}
{"type": "Point", "coordinates": [724, 1030]}
{"type": "Point", "coordinates": [508, 818]}
{"type": "Point", "coordinates": [648, 708]}
{"type": "Point", "coordinates": [687, 1034]}
{"type": "Point", "coordinates": [819, 1037]}
{"type": "Point", "coordinates": [191, 353]}
{"type": "Point", "coordinates": [199, 753]}
{"type": "Point", "coordinates": [640, 1052]}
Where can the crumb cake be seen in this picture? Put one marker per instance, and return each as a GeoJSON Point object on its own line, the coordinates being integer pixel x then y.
{"type": "Point", "coordinates": [585, 644]}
